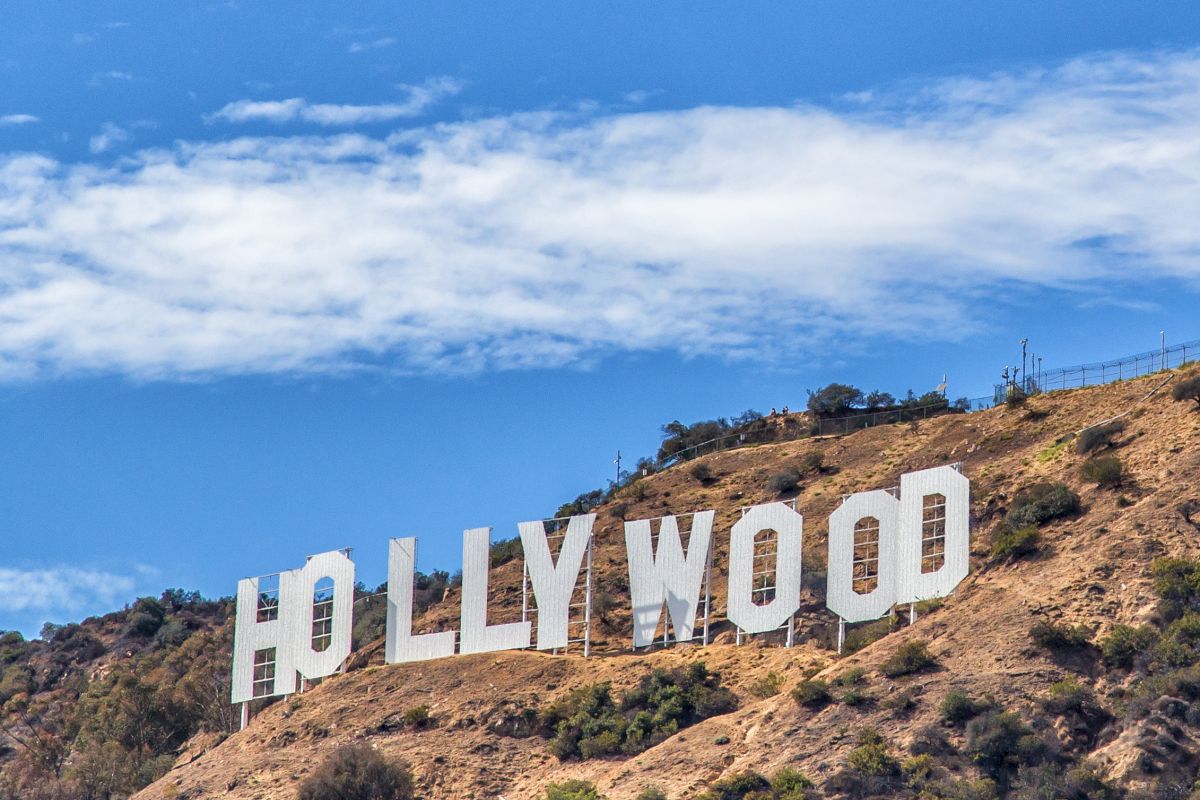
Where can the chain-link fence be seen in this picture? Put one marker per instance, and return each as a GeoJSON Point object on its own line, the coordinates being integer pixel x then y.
{"type": "Point", "coordinates": [1037, 381]}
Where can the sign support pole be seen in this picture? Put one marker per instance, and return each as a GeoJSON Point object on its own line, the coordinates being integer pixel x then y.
{"type": "Point", "coordinates": [245, 716]}
{"type": "Point", "coordinates": [841, 635]}
{"type": "Point", "coordinates": [587, 606]}
{"type": "Point", "coordinates": [708, 590]}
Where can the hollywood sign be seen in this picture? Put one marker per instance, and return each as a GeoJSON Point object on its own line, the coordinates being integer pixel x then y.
{"type": "Point", "coordinates": [886, 548]}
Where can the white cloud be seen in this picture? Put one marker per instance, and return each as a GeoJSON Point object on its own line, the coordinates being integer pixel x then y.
{"type": "Point", "coordinates": [110, 76]}
{"type": "Point", "coordinates": [374, 44]}
{"type": "Point", "coordinates": [17, 119]}
{"type": "Point", "coordinates": [109, 135]}
{"type": "Point", "coordinates": [296, 108]}
{"type": "Point", "coordinates": [549, 239]}
{"type": "Point", "coordinates": [62, 590]}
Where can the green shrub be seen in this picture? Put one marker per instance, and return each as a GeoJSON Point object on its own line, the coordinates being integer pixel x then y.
{"type": "Point", "coordinates": [850, 677]}
{"type": "Point", "coordinates": [959, 708]}
{"type": "Point", "coordinates": [587, 723]}
{"type": "Point", "coordinates": [785, 482]}
{"type": "Point", "coordinates": [909, 657]}
{"type": "Point", "coordinates": [358, 772]}
{"type": "Point", "coordinates": [1179, 645]}
{"type": "Point", "coordinates": [813, 461]}
{"type": "Point", "coordinates": [1124, 644]}
{"type": "Point", "coordinates": [901, 703]}
{"type": "Point", "coordinates": [999, 741]}
{"type": "Point", "coordinates": [871, 757]}
{"type": "Point", "coordinates": [812, 693]}
{"type": "Point", "coordinates": [855, 696]}
{"type": "Point", "coordinates": [1041, 503]}
{"type": "Point", "coordinates": [1057, 781]}
{"type": "Point", "coordinates": [1060, 638]}
{"type": "Point", "coordinates": [790, 784]}
{"type": "Point", "coordinates": [1068, 697]}
{"type": "Point", "coordinates": [767, 685]}
{"type": "Point", "coordinates": [1098, 436]}
{"type": "Point", "coordinates": [1009, 543]}
{"type": "Point", "coordinates": [573, 790]}
{"type": "Point", "coordinates": [1177, 583]}
{"type": "Point", "coordinates": [737, 786]}
{"type": "Point", "coordinates": [651, 793]}
{"type": "Point", "coordinates": [1187, 389]}
{"type": "Point", "coordinates": [417, 717]}
{"type": "Point", "coordinates": [860, 636]}
{"type": "Point", "coordinates": [1106, 472]}
{"type": "Point", "coordinates": [702, 472]}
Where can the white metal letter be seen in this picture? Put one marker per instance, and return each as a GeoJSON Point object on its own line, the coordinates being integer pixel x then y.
{"type": "Point", "coordinates": [250, 636]}
{"type": "Point", "coordinates": [841, 598]}
{"type": "Point", "coordinates": [742, 610]}
{"type": "Point", "coordinates": [912, 584]}
{"type": "Point", "coordinates": [338, 567]}
{"type": "Point", "coordinates": [401, 646]}
{"type": "Point", "coordinates": [554, 583]}
{"type": "Point", "coordinates": [475, 635]}
{"type": "Point", "coordinates": [668, 575]}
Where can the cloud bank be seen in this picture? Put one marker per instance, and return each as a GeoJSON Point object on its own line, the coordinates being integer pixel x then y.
{"type": "Point", "coordinates": [547, 239]}
{"type": "Point", "coordinates": [295, 109]}
{"type": "Point", "coordinates": [60, 589]}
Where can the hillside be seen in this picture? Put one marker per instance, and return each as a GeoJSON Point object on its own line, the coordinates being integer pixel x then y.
{"type": "Point", "coordinates": [1092, 569]}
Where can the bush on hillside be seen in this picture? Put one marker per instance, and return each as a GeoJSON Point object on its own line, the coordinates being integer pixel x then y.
{"type": "Point", "coordinates": [909, 658]}
{"type": "Point", "coordinates": [1068, 696]}
{"type": "Point", "coordinates": [1097, 437]}
{"type": "Point", "coordinates": [1060, 638]}
{"type": "Point", "coordinates": [1107, 472]}
{"type": "Point", "coordinates": [588, 723]}
{"type": "Point", "coordinates": [1013, 543]}
{"type": "Point", "coordinates": [1000, 742]}
{"type": "Point", "coordinates": [767, 685]}
{"type": "Point", "coordinates": [358, 772]}
{"type": "Point", "coordinates": [736, 787]}
{"type": "Point", "coordinates": [1061, 781]}
{"type": "Point", "coordinates": [1179, 645]}
{"type": "Point", "coordinates": [959, 708]}
{"type": "Point", "coordinates": [702, 473]}
{"type": "Point", "coordinates": [813, 461]}
{"type": "Point", "coordinates": [860, 636]}
{"type": "Point", "coordinates": [573, 790]}
{"type": "Point", "coordinates": [785, 482]}
{"type": "Point", "coordinates": [1041, 503]}
{"type": "Point", "coordinates": [651, 793]}
{"type": "Point", "coordinates": [1125, 644]}
{"type": "Point", "coordinates": [812, 693]}
{"type": "Point", "coordinates": [1177, 583]}
{"type": "Point", "coordinates": [1187, 389]}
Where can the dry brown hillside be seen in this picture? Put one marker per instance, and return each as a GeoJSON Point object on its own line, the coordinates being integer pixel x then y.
{"type": "Point", "coordinates": [1093, 568]}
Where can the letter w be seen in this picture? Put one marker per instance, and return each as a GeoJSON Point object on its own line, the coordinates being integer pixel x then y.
{"type": "Point", "coordinates": [668, 575]}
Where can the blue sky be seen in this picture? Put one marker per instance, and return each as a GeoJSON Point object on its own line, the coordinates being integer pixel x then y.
{"type": "Point", "coordinates": [284, 277]}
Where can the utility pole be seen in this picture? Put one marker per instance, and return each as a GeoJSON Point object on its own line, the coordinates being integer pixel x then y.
{"type": "Point", "coordinates": [1024, 342]}
{"type": "Point", "coordinates": [618, 463]}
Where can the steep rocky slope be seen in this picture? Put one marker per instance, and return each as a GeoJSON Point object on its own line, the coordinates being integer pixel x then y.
{"type": "Point", "coordinates": [1092, 568]}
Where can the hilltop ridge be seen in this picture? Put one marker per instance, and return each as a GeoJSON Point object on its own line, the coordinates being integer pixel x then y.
{"type": "Point", "coordinates": [1092, 569]}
